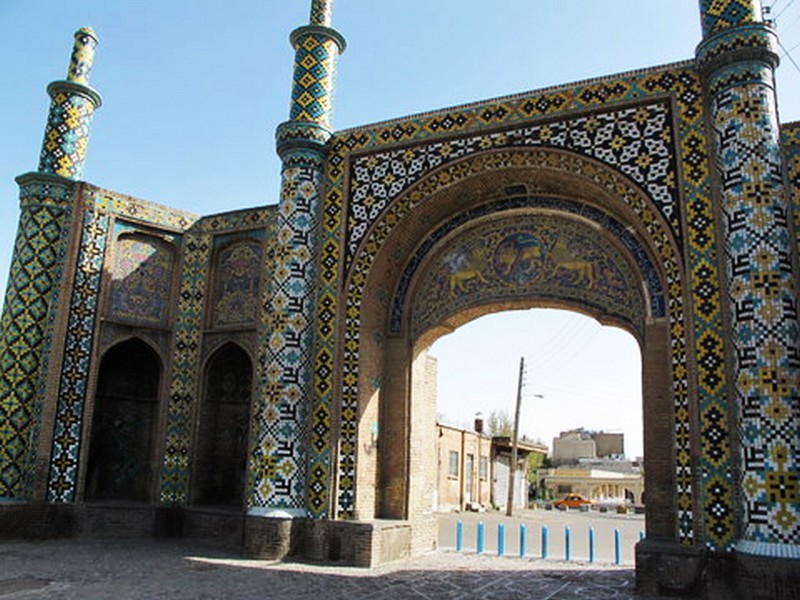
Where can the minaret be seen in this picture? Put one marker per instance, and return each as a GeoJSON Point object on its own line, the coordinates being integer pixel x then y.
{"type": "Point", "coordinates": [737, 59]}
{"type": "Point", "coordinates": [46, 198]}
{"type": "Point", "coordinates": [278, 463]}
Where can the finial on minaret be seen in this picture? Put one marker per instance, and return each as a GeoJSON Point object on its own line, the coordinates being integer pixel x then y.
{"type": "Point", "coordinates": [80, 65]}
{"type": "Point", "coordinates": [321, 12]}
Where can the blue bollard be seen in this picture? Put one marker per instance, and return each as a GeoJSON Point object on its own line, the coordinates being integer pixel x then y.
{"type": "Point", "coordinates": [459, 536]}
{"type": "Point", "coordinates": [591, 544]}
{"type": "Point", "coordinates": [501, 539]}
{"type": "Point", "coordinates": [617, 548]}
{"type": "Point", "coordinates": [523, 539]}
{"type": "Point", "coordinates": [567, 542]}
{"type": "Point", "coordinates": [480, 538]}
{"type": "Point", "coordinates": [544, 541]}
{"type": "Point", "coordinates": [641, 536]}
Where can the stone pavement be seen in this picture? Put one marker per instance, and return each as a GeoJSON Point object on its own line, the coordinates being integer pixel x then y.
{"type": "Point", "coordinates": [114, 569]}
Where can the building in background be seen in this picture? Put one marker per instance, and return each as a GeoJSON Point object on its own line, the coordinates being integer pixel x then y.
{"type": "Point", "coordinates": [592, 463]}
{"type": "Point", "coordinates": [473, 470]}
{"type": "Point", "coordinates": [465, 473]}
{"type": "Point", "coordinates": [577, 444]}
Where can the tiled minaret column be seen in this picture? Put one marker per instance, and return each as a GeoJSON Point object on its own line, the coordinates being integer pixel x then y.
{"type": "Point", "coordinates": [46, 207]}
{"type": "Point", "coordinates": [279, 461]}
{"type": "Point", "coordinates": [737, 58]}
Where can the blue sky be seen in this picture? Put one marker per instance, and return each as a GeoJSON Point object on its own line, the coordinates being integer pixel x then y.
{"type": "Point", "coordinates": [194, 89]}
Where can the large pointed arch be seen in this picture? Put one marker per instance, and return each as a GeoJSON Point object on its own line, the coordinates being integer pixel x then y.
{"type": "Point", "coordinates": [382, 341]}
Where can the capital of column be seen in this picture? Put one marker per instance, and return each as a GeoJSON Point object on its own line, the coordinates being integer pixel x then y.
{"type": "Point", "coordinates": [298, 35]}
{"type": "Point", "coordinates": [752, 42]}
{"type": "Point", "coordinates": [44, 188]}
{"type": "Point", "coordinates": [308, 136]}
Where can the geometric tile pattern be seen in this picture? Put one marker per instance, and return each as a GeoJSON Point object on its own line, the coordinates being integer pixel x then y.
{"type": "Point", "coordinates": [72, 106]}
{"type": "Point", "coordinates": [76, 362]}
{"type": "Point", "coordinates": [747, 39]}
{"type": "Point", "coordinates": [35, 270]}
{"type": "Point", "coordinates": [67, 133]}
{"type": "Point", "coordinates": [31, 297]}
{"type": "Point", "coordinates": [134, 210]}
{"type": "Point", "coordinates": [278, 461]}
{"type": "Point", "coordinates": [715, 475]}
{"type": "Point", "coordinates": [185, 385]}
{"type": "Point", "coordinates": [183, 391]}
{"type": "Point", "coordinates": [790, 140]}
{"type": "Point", "coordinates": [690, 219]}
{"type": "Point", "coordinates": [634, 140]}
{"type": "Point", "coordinates": [315, 65]}
{"type": "Point", "coordinates": [319, 487]}
{"type": "Point", "coordinates": [718, 15]}
{"type": "Point", "coordinates": [762, 300]}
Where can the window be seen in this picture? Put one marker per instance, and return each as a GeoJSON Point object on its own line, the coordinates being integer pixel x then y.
{"type": "Point", "coordinates": [483, 468]}
{"type": "Point", "coordinates": [453, 471]}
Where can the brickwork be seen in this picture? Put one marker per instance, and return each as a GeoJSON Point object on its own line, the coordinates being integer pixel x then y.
{"type": "Point", "coordinates": [457, 490]}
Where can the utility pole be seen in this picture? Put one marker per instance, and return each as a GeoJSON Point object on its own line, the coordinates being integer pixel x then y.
{"type": "Point", "coordinates": [512, 467]}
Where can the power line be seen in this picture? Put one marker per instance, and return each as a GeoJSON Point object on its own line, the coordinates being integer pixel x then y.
{"type": "Point", "coordinates": [790, 25]}
{"type": "Point", "coordinates": [790, 57]}
{"type": "Point", "coordinates": [775, 18]}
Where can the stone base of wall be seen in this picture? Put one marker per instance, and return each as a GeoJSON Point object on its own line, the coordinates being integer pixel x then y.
{"type": "Point", "coordinates": [669, 569]}
{"type": "Point", "coordinates": [666, 569]}
{"type": "Point", "coordinates": [223, 526]}
{"type": "Point", "coordinates": [36, 521]}
{"type": "Point", "coordinates": [352, 543]}
{"type": "Point", "coordinates": [763, 578]}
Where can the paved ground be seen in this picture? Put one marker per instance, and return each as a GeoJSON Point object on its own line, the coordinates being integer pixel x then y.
{"type": "Point", "coordinates": [92, 569]}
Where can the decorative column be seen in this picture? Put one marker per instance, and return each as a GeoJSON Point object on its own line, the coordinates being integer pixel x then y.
{"type": "Point", "coordinates": [278, 465]}
{"type": "Point", "coordinates": [36, 268]}
{"type": "Point", "coordinates": [737, 59]}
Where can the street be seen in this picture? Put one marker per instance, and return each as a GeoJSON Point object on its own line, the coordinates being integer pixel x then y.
{"type": "Point", "coordinates": [630, 526]}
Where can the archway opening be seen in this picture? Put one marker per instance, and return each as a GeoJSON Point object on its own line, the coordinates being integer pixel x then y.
{"type": "Point", "coordinates": [580, 421]}
{"type": "Point", "coordinates": [121, 451]}
{"type": "Point", "coordinates": [582, 383]}
{"type": "Point", "coordinates": [223, 427]}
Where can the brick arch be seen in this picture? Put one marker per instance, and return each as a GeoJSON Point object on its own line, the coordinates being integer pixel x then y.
{"type": "Point", "coordinates": [223, 423]}
{"type": "Point", "coordinates": [378, 362]}
{"type": "Point", "coordinates": [124, 423]}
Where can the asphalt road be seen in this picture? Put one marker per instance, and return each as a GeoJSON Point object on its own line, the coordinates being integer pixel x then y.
{"type": "Point", "coordinates": [630, 527]}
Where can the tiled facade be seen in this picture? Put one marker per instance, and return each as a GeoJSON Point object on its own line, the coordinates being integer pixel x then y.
{"type": "Point", "coordinates": [657, 199]}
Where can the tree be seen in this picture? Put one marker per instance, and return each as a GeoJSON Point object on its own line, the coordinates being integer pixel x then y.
{"type": "Point", "coordinates": [500, 424]}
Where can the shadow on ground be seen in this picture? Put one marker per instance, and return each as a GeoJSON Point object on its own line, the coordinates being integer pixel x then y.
{"type": "Point", "coordinates": [87, 570]}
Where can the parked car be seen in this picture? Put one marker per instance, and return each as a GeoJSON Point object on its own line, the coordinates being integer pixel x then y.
{"type": "Point", "coordinates": [572, 501]}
